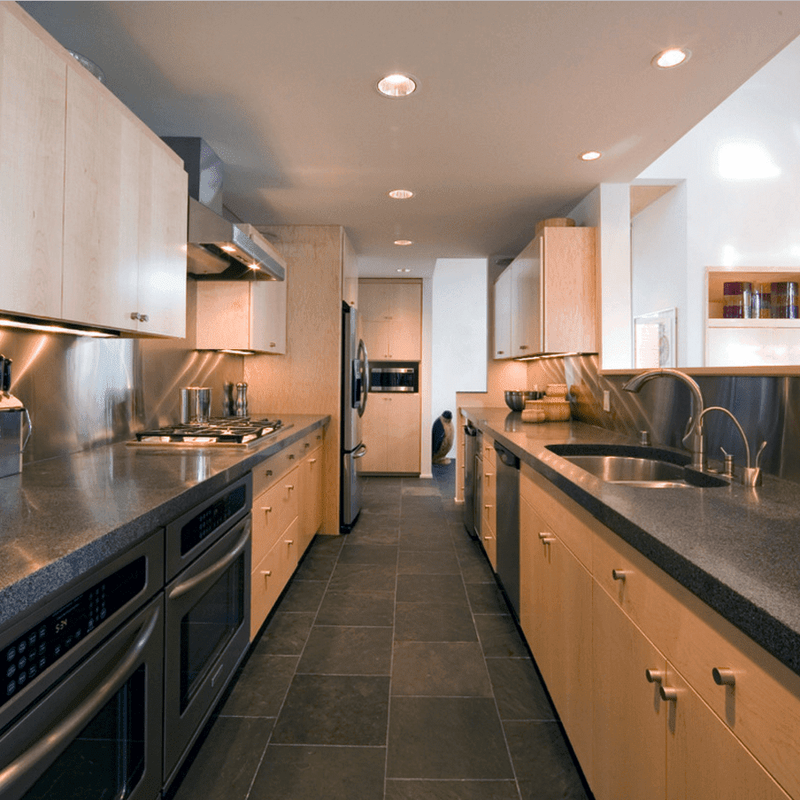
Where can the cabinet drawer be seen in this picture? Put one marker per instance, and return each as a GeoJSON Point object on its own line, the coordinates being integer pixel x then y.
{"type": "Point", "coordinates": [273, 512]}
{"type": "Point", "coordinates": [489, 453]}
{"type": "Point", "coordinates": [573, 524]}
{"type": "Point", "coordinates": [762, 708]}
{"type": "Point", "coordinates": [268, 472]}
{"type": "Point", "coordinates": [270, 576]}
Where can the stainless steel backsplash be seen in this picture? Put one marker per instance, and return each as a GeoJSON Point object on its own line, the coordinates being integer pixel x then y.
{"type": "Point", "coordinates": [82, 393]}
{"type": "Point", "coordinates": [767, 408]}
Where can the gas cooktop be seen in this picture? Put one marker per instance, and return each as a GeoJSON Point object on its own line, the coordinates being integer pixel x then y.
{"type": "Point", "coordinates": [235, 431]}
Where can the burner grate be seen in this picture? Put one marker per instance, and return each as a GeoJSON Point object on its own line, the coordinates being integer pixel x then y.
{"type": "Point", "coordinates": [218, 430]}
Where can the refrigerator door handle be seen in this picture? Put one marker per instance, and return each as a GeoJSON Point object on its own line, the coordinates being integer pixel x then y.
{"type": "Point", "coordinates": [363, 368]}
{"type": "Point", "coordinates": [360, 451]}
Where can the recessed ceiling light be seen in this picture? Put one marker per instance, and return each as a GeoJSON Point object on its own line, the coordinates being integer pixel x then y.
{"type": "Point", "coordinates": [403, 242]}
{"type": "Point", "coordinates": [397, 85]}
{"type": "Point", "coordinates": [673, 57]}
{"type": "Point", "coordinates": [404, 269]}
{"type": "Point", "coordinates": [401, 194]}
{"type": "Point", "coordinates": [590, 155]}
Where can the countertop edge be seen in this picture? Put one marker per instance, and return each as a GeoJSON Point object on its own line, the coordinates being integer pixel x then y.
{"type": "Point", "coordinates": [25, 594]}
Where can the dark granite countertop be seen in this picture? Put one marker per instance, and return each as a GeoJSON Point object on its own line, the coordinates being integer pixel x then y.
{"type": "Point", "coordinates": [61, 517]}
{"type": "Point", "coordinates": [736, 548]}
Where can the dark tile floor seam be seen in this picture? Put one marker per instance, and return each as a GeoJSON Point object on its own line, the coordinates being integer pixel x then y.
{"type": "Point", "coordinates": [494, 696]}
{"type": "Point", "coordinates": [391, 671]}
{"type": "Point", "coordinates": [299, 657]}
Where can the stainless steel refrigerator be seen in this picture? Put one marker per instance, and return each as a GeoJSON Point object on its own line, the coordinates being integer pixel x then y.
{"type": "Point", "coordinates": [355, 388]}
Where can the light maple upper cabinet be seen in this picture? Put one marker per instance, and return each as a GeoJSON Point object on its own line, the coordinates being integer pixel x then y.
{"type": "Point", "coordinates": [391, 318]}
{"type": "Point", "coordinates": [124, 218]}
{"type": "Point", "coordinates": [502, 315]}
{"type": "Point", "coordinates": [242, 315]}
{"type": "Point", "coordinates": [32, 92]}
{"type": "Point", "coordinates": [100, 200]}
{"type": "Point", "coordinates": [552, 306]}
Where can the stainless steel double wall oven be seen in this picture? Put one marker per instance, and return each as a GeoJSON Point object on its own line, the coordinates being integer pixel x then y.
{"type": "Point", "coordinates": [108, 683]}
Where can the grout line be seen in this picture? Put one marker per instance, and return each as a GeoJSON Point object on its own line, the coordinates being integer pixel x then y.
{"type": "Point", "coordinates": [289, 686]}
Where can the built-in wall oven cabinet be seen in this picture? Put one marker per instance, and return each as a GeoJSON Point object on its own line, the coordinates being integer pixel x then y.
{"type": "Point", "coordinates": [81, 705]}
{"type": "Point", "coordinates": [207, 613]}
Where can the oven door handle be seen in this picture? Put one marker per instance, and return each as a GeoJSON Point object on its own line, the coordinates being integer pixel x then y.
{"type": "Point", "coordinates": [215, 569]}
{"type": "Point", "coordinates": [56, 739]}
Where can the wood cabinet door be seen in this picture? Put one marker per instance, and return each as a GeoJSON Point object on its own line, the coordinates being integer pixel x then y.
{"type": "Point", "coordinates": [705, 760]}
{"type": "Point", "coordinates": [526, 300]}
{"type": "Point", "coordinates": [32, 102]}
{"type": "Point", "coordinates": [569, 290]}
{"type": "Point", "coordinates": [310, 498]}
{"type": "Point", "coordinates": [502, 315]}
{"type": "Point", "coordinates": [630, 719]}
{"type": "Point", "coordinates": [101, 206]}
{"type": "Point", "coordinates": [405, 324]}
{"type": "Point", "coordinates": [162, 241]}
{"type": "Point", "coordinates": [374, 433]}
{"type": "Point", "coordinates": [223, 315]}
{"type": "Point", "coordinates": [402, 428]}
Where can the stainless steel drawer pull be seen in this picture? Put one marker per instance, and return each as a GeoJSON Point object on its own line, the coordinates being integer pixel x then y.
{"type": "Point", "coordinates": [312, 460]}
{"type": "Point", "coordinates": [668, 693]}
{"type": "Point", "coordinates": [266, 573]}
{"type": "Point", "coordinates": [723, 676]}
{"type": "Point", "coordinates": [290, 487]}
{"type": "Point", "coordinates": [547, 538]}
{"type": "Point", "coordinates": [291, 456]}
{"type": "Point", "coordinates": [267, 473]}
{"type": "Point", "coordinates": [267, 509]}
{"type": "Point", "coordinates": [654, 675]}
{"type": "Point", "coordinates": [620, 574]}
{"type": "Point", "coordinates": [290, 541]}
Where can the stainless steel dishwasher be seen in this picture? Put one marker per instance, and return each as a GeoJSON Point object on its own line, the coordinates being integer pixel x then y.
{"type": "Point", "coordinates": [508, 524]}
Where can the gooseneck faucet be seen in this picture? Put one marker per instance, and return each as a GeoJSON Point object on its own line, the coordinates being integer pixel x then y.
{"type": "Point", "coordinates": [694, 432]}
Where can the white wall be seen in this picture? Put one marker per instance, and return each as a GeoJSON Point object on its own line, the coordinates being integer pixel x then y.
{"type": "Point", "coordinates": [658, 259]}
{"type": "Point", "coordinates": [742, 169]}
{"type": "Point", "coordinates": [458, 333]}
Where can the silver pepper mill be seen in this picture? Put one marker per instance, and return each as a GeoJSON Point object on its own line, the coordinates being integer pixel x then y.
{"type": "Point", "coordinates": [241, 399]}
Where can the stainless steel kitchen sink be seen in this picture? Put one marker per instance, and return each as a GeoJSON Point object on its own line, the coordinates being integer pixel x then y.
{"type": "Point", "coordinates": [648, 467]}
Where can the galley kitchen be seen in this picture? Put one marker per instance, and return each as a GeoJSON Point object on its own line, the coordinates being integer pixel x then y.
{"type": "Point", "coordinates": [397, 400]}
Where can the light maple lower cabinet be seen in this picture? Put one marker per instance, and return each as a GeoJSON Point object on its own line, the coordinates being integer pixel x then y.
{"type": "Point", "coordinates": [555, 615]}
{"type": "Point", "coordinates": [286, 513]}
{"type": "Point", "coordinates": [600, 619]}
{"type": "Point", "coordinates": [488, 500]}
{"type": "Point", "coordinates": [390, 429]}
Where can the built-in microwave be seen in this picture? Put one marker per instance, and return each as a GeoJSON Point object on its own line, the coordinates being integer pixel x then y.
{"type": "Point", "coordinates": [394, 376]}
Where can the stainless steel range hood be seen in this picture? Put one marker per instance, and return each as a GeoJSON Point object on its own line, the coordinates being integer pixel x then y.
{"type": "Point", "coordinates": [218, 248]}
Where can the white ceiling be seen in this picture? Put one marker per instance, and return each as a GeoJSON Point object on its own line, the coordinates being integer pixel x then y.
{"type": "Point", "coordinates": [510, 93]}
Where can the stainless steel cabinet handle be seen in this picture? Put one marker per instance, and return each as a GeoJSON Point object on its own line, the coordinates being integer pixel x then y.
{"type": "Point", "coordinates": [655, 675]}
{"type": "Point", "coordinates": [291, 456]}
{"type": "Point", "coordinates": [134, 315]}
{"type": "Point", "coordinates": [267, 509]}
{"type": "Point", "coordinates": [547, 538]}
{"type": "Point", "coordinates": [501, 352]}
{"type": "Point", "coordinates": [668, 693]}
{"type": "Point", "coordinates": [143, 318]}
{"type": "Point", "coordinates": [272, 344]}
{"type": "Point", "coordinates": [312, 460]}
{"type": "Point", "coordinates": [266, 573]}
{"type": "Point", "coordinates": [267, 473]}
{"type": "Point", "coordinates": [620, 574]}
{"type": "Point", "coordinates": [523, 347]}
{"type": "Point", "coordinates": [55, 739]}
{"type": "Point", "coordinates": [723, 676]}
{"type": "Point", "coordinates": [289, 541]}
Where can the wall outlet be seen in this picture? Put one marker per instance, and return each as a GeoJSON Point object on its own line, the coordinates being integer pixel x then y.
{"type": "Point", "coordinates": [607, 400]}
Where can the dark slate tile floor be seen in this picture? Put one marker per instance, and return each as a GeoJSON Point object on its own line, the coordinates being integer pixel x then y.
{"type": "Point", "coordinates": [390, 670]}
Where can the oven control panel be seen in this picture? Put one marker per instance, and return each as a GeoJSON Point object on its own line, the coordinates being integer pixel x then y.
{"type": "Point", "coordinates": [212, 517]}
{"type": "Point", "coordinates": [53, 637]}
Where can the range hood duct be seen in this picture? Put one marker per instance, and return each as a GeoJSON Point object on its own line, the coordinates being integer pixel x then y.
{"type": "Point", "coordinates": [219, 249]}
